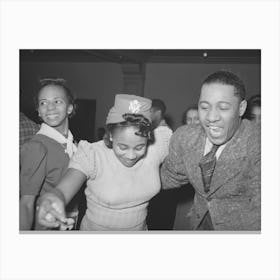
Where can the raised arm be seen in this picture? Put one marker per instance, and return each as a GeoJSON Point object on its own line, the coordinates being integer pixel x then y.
{"type": "Point", "coordinates": [51, 205]}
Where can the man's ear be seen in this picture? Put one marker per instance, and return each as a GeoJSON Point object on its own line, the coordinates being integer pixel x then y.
{"type": "Point", "coordinates": [242, 107]}
{"type": "Point", "coordinates": [70, 109]}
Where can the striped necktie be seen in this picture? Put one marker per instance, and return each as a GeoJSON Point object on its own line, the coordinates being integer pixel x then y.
{"type": "Point", "coordinates": [207, 165]}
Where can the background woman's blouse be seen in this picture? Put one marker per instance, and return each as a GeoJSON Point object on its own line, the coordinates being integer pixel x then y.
{"type": "Point", "coordinates": [43, 163]}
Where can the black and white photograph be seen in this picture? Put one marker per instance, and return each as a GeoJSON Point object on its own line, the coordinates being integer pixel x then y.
{"type": "Point", "coordinates": [139, 139]}
{"type": "Point", "coordinates": [181, 143]}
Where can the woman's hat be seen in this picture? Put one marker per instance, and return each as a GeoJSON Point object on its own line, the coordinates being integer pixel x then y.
{"type": "Point", "coordinates": [129, 104]}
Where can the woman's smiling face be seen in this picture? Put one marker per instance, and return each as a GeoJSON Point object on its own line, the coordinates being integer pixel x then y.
{"type": "Point", "coordinates": [54, 107]}
{"type": "Point", "coordinates": [128, 147]}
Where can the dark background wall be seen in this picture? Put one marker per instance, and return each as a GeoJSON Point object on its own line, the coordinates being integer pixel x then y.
{"type": "Point", "coordinates": [176, 83]}
{"type": "Point", "coordinates": [97, 81]}
{"type": "Point", "coordinates": [179, 84]}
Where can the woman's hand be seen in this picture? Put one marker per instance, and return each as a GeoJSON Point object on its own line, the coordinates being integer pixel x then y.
{"type": "Point", "coordinates": [51, 212]}
{"type": "Point", "coordinates": [51, 205]}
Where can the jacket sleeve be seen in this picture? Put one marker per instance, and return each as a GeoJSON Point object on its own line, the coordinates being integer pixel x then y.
{"type": "Point", "coordinates": [173, 172]}
{"type": "Point", "coordinates": [33, 168]}
{"type": "Point", "coordinates": [254, 182]}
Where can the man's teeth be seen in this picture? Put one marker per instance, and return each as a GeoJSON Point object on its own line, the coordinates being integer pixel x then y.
{"type": "Point", "coordinates": [215, 128]}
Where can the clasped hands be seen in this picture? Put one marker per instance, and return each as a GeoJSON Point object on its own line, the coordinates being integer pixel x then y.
{"type": "Point", "coordinates": [51, 212]}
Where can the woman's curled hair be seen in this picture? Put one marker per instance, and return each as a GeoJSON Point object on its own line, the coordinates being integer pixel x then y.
{"type": "Point", "coordinates": [130, 120]}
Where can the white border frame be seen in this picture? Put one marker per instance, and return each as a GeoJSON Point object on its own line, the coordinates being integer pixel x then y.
{"type": "Point", "coordinates": [136, 24]}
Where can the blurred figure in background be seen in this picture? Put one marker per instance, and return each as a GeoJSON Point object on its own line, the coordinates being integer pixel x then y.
{"type": "Point", "coordinates": [190, 116]}
{"type": "Point", "coordinates": [158, 110]}
{"type": "Point", "coordinates": [253, 111]}
{"type": "Point", "coordinates": [161, 129]}
{"type": "Point", "coordinates": [163, 206]}
{"type": "Point", "coordinates": [27, 128]}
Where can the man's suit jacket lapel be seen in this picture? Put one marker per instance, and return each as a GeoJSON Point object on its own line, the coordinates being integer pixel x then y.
{"type": "Point", "coordinates": [229, 163]}
{"type": "Point", "coordinates": [192, 162]}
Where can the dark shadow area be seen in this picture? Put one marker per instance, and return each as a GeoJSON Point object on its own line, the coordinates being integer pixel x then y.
{"type": "Point", "coordinates": [184, 199]}
{"type": "Point", "coordinates": [162, 209]}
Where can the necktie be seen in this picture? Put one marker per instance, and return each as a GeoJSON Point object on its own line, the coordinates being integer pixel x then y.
{"type": "Point", "coordinates": [207, 165]}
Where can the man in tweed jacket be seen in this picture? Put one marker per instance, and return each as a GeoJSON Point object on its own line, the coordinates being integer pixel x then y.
{"type": "Point", "coordinates": [234, 199]}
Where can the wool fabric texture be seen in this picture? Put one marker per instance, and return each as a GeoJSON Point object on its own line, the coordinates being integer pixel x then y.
{"type": "Point", "coordinates": [207, 166]}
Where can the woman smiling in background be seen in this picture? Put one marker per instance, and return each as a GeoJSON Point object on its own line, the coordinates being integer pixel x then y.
{"type": "Point", "coordinates": [44, 159]}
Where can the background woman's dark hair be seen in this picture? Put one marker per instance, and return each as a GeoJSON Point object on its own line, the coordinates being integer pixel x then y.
{"type": "Point", "coordinates": [253, 101]}
{"type": "Point", "coordinates": [60, 83]}
{"type": "Point", "coordinates": [136, 120]}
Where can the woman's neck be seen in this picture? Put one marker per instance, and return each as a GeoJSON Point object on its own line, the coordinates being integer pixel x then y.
{"type": "Point", "coordinates": [63, 129]}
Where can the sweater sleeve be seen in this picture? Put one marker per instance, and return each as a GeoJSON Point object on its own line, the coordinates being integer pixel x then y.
{"type": "Point", "coordinates": [84, 159]}
{"type": "Point", "coordinates": [160, 146]}
{"type": "Point", "coordinates": [173, 172]}
{"type": "Point", "coordinates": [33, 162]}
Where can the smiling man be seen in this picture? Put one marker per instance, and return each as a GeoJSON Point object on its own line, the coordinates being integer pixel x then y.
{"type": "Point", "coordinates": [221, 159]}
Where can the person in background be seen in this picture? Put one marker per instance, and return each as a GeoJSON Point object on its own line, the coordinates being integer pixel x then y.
{"type": "Point", "coordinates": [190, 116]}
{"type": "Point", "coordinates": [162, 131]}
{"type": "Point", "coordinates": [163, 206]}
{"type": "Point", "coordinates": [221, 158]}
{"type": "Point", "coordinates": [121, 171]}
{"type": "Point", "coordinates": [27, 128]}
{"type": "Point", "coordinates": [44, 159]}
{"type": "Point", "coordinates": [253, 111]}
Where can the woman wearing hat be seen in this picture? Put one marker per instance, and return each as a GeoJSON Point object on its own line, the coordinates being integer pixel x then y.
{"type": "Point", "coordinates": [122, 172]}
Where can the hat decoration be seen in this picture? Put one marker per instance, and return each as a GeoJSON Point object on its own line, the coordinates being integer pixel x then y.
{"type": "Point", "coordinates": [129, 104]}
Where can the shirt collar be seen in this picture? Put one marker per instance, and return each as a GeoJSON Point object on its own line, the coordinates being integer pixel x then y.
{"type": "Point", "coordinates": [57, 136]}
{"type": "Point", "coordinates": [208, 146]}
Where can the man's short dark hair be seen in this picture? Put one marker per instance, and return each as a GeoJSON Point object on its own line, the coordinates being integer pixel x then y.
{"type": "Point", "coordinates": [227, 78]}
{"type": "Point", "coordinates": [159, 105]}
